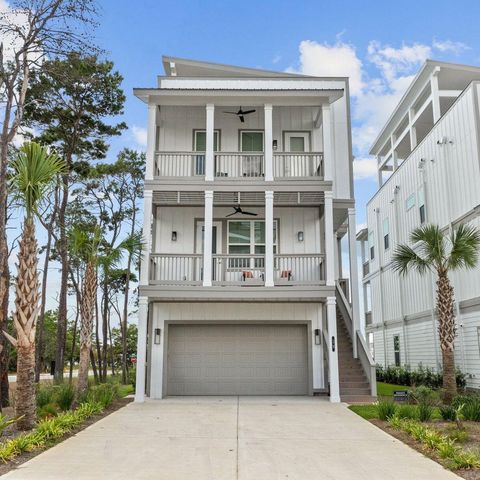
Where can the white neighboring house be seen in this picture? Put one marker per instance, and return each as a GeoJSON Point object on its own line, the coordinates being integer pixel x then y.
{"type": "Point", "coordinates": [248, 193]}
{"type": "Point", "coordinates": [430, 151]}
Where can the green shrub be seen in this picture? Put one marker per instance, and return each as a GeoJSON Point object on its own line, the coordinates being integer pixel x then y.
{"type": "Point", "coordinates": [460, 435]}
{"type": "Point", "coordinates": [448, 413]}
{"type": "Point", "coordinates": [425, 412]}
{"type": "Point", "coordinates": [47, 411]}
{"type": "Point", "coordinates": [470, 406]}
{"type": "Point", "coordinates": [5, 422]}
{"type": "Point", "coordinates": [407, 412]}
{"type": "Point", "coordinates": [132, 377]}
{"type": "Point", "coordinates": [65, 395]}
{"type": "Point", "coordinates": [386, 410]}
{"type": "Point", "coordinates": [104, 394]}
{"type": "Point", "coordinates": [45, 395]}
{"type": "Point", "coordinates": [424, 395]}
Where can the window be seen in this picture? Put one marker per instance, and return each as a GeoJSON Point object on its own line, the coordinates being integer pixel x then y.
{"type": "Point", "coordinates": [421, 205]}
{"type": "Point", "coordinates": [247, 237]}
{"type": "Point", "coordinates": [478, 338]}
{"type": "Point", "coordinates": [251, 141]}
{"type": "Point", "coordinates": [368, 294]}
{"type": "Point", "coordinates": [396, 349]}
{"type": "Point", "coordinates": [410, 202]}
{"type": "Point", "coordinates": [371, 244]}
{"type": "Point", "coordinates": [200, 144]}
{"type": "Point", "coordinates": [386, 233]}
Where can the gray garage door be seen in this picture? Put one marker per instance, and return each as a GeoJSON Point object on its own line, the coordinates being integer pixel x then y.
{"type": "Point", "coordinates": [237, 360]}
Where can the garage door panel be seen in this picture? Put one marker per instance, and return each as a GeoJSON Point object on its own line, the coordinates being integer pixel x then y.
{"type": "Point", "coordinates": [237, 360]}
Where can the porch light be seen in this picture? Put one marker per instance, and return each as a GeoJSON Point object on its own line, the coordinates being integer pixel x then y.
{"type": "Point", "coordinates": [300, 236]}
{"type": "Point", "coordinates": [158, 334]}
{"type": "Point", "coordinates": [275, 144]}
{"type": "Point", "coordinates": [317, 336]}
{"type": "Point", "coordinates": [174, 236]}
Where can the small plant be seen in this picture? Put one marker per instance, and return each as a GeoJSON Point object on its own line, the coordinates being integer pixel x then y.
{"type": "Point", "coordinates": [424, 395]}
{"type": "Point", "coordinates": [459, 435]}
{"type": "Point", "coordinates": [5, 422]}
{"type": "Point", "coordinates": [386, 410]}
{"type": "Point", "coordinates": [425, 412]}
{"type": "Point", "coordinates": [470, 406]}
{"type": "Point", "coordinates": [448, 413]}
{"type": "Point", "coordinates": [45, 395]}
{"type": "Point", "coordinates": [49, 410]}
{"type": "Point", "coordinates": [104, 394]}
{"type": "Point", "coordinates": [407, 412]}
{"type": "Point", "coordinates": [65, 395]}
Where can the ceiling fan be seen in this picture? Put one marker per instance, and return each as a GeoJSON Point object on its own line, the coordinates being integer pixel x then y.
{"type": "Point", "coordinates": [242, 212]}
{"type": "Point", "coordinates": [241, 113]}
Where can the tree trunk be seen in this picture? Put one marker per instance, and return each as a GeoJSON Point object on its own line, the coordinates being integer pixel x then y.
{"type": "Point", "coordinates": [62, 304]}
{"type": "Point", "coordinates": [94, 366]}
{"type": "Point", "coordinates": [124, 323]}
{"type": "Point", "coordinates": [97, 342]}
{"type": "Point", "coordinates": [74, 339]}
{"type": "Point", "coordinates": [4, 276]}
{"type": "Point", "coordinates": [447, 333]}
{"type": "Point", "coordinates": [24, 318]}
{"type": "Point", "coordinates": [105, 329]}
{"type": "Point", "coordinates": [89, 294]}
{"type": "Point", "coordinates": [112, 356]}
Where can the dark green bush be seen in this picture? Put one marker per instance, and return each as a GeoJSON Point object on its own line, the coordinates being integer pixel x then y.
{"type": "Point", "coordinates": [424, 395]}
{"type": "Point", "coordinates": [65, 395]}
{"type": "Point", "coordinates": [104, 394]}
{"type": "Point", "coordinates": [448, 413]}
{"type": "Point", "coordinates": [45, 395]}
{"type": "Point", "coordinates": [132, 377]}
{"type": "Point", "coordinates": [407, 412]}
{"type": "Point", "coordinates": [425, 412]}
{"type": "Point", "coordinates": [470, 406]}
{"type": "Point", "coordinates": [47, 411]}
{"type": "Point", "coordinates": [420, 376]}
{"type": "Point", "coordinates": [386, 409]}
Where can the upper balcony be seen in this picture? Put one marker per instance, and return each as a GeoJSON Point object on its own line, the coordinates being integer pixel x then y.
{"type": "Point", "coordinates": [239, 165]}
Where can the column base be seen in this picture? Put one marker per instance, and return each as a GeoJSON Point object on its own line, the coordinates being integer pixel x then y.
{"type": "Point", "coordinates": [335, 399]}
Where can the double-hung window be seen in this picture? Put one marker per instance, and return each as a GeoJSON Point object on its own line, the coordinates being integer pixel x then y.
{"type": "Point", "coordinates": [371, 244]}
{"type": "Point", "coordinates": [386, 234]}
{"type": "Point", "coordinates": [421, 205]}
{"type": "Point", "coordinates": [247, 237]}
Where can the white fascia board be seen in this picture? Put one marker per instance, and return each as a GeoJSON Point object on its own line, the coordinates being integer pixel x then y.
{"type": "Point", "coordinates": [250, 84]}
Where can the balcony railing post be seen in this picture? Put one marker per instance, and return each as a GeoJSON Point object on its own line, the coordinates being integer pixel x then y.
{"type": "Point", "coordinates": [207, 242]}
{"type": "Point", "coordinates": [209, 154]}
{"type": "Point", "coordinates": [269, 239]}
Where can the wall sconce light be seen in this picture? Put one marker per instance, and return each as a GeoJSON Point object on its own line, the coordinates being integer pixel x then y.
{"type": "Point", "coordinates": [300, 236]}
{"type": "Point", "coordinates": [174, 236]}
{"type": "Point", "coordinates": [158, 335]}
{"type": "Point", "coordinates": [317, 336]}
{"type": "Point", "coordinates": [274, 144]}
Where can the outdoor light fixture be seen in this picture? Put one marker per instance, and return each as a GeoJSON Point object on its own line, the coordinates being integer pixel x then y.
{"type": "Point", "coordinates": [275, 144]}
{"type": "Point", "coordinates": [317, 336]}
{"type": "Point", "coordinates": [174, 236]}
{"type": "Point", "coordinates": [158, 334]}
{"type": "Point", "coordinates": [300, 236]}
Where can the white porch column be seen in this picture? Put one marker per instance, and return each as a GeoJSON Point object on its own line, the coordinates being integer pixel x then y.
{"type": "Point", "coordinates": [329, 240]}
{"type": "Point", "coordinates": [327, 142]}
{"type": "Point", "coordinates": [141, 349]}
{"type": "Point", "coordinates": [435, 95]}
{"type": "Point", "coordinates": [268, 142]}
{"type": "Point", "coordinates": [209, 156]}
{"type": "Point", "coordinates": [333, 350]}
{"type": "Point", "coordinates": [413, 129]}
{"type": "Point", "coordinates": [394, 153]}
{"type": "Point", "coordinates": [147, 238]}
{"type": "Point", "coordinates": [151, 133]}
{"type": "Point", "coordinates": [207, 241]}
{"type": "Point", "coordinates": [269, 239]}
{"type": "Point", "coordinates": [352, 245]}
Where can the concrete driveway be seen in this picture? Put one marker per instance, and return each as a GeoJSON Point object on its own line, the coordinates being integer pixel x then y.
{"type": "Point", "coordinates": [229, 438]}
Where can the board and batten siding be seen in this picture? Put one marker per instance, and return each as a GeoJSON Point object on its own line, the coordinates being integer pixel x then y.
{"type": "Point", "coordinates": [291, 220]}
{"type": "Point", "coordinates": [309, 313]}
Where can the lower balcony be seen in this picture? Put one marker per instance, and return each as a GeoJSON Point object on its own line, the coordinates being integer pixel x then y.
{"type": "Point", "coordinates": [236, 270]}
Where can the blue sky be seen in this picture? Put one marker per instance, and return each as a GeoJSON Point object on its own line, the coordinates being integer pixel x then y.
{"type": "Point", "coordinates": [380, 45]}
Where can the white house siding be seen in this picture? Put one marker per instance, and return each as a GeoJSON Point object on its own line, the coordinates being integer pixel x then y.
{"type": "Point", "coordinates": [290, 220]}
{"type": "Point", "coordinates": [449, 172]}
{"type": "Point", "coordinates": [310, 313]}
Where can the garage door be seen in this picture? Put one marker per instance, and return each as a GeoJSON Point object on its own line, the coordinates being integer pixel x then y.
{"type": "Point", "coordinates": [237, 360]}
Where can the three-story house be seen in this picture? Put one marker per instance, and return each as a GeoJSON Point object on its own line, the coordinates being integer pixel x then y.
{"type": "Point", "coordinates": [248, 194]}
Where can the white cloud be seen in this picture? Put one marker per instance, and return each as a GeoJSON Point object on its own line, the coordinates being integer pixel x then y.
{"type": "Point", "coordinates": [140, 135]}
{"type": "Point", "coordinates": [448, 46]}
{"type": "Point", "coordinates": [365, 168]}
{"type": "Point", "coordinates": [337, 60]}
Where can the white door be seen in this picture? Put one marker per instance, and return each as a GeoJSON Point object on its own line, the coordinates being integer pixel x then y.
{"type": "Point", "coordinates": [297, 142]}
{"type": "Point", "coordinates": [296, 164]}
{"type": "Point", "coordinates": [237, 359]}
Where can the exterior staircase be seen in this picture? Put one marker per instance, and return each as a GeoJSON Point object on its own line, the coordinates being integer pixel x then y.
{"type": "Point", "coordinates": [354, 385]}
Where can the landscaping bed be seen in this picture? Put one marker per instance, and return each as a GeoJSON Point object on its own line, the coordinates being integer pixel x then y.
{"type": "Point", "coordinates": [59, 419]}
{"type": "Point", "coordinates": [449, 435]}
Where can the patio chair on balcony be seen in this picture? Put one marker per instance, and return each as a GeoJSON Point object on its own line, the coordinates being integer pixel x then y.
{"type": "Point", "coordinates": [247, 275]}
{"type": "Point", "coordinates": [286, 274]}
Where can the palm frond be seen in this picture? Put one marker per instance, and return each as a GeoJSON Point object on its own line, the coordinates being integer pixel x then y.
{"type": "Point", "coordinates": [405, 259]}
{"type": "Point", "coordinates": [84, 243]}
{"type": "Point", "coordinates": [430, 243]}
{"type": "Point", "coordinates": [133, 244]}
{"type": "Point", "coordinates": [34, 171]}
{"type": "Point", "coordinates": [465, 242]}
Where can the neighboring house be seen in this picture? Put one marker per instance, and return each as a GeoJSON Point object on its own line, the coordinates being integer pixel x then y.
{"type": "Point", "coordinates": [248, 193]}
{"type": "Point", "coordinates": [430, 148]}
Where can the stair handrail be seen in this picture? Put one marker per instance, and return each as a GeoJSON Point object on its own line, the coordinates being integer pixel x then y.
{"type": "Point", "coordinates": [346, 311]}
{"type": "Point", "coordinates": [367, 362]}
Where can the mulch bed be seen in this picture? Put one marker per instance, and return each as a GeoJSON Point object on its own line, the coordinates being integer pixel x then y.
{"type": "Point", "coordinates": [25, 457]}
{"type": "Point", "coordinates": [473, 443]}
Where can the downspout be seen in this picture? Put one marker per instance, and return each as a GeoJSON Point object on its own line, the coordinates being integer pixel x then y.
{"type": "Point", "coordinates": [380, 271]}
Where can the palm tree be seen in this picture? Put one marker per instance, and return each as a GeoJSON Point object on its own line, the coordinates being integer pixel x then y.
{"type": "Point", "coordinates": [441, 253]}
{"type": "Point", "coordinates": [34, 172]}
{"type": "Point", "coordinates": [84, 245]}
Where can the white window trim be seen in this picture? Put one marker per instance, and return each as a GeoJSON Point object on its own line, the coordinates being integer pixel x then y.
{"type": "Point", "coordinates": [252, 243]}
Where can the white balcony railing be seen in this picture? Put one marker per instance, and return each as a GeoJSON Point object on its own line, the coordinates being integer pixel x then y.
{"type": "Point", "coordinates": [238, 269]}
{"type": "Point", "coordinates": [239, 165]}
{"type": "Point", "coordinates": [175, 269]}
{"type": "Point", "coordinates": [305, 269]}
{"type": "Point", "coordinates": [295, 165]}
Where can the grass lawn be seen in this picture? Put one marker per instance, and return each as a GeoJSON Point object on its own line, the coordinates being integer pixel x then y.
{"type": "Point", "coordinates": [387, 389]}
